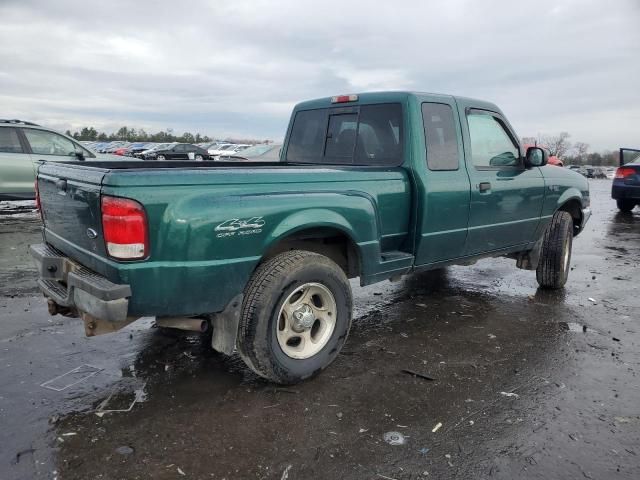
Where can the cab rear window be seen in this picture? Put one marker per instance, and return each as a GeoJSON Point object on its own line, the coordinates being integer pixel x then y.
{"type": "Point", "coordinates": [366, 135]}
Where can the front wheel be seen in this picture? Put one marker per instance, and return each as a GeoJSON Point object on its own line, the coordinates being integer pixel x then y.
{"type": "Point", "coordinates": [625, 205]}
{"type": "Point", "coordinates": [160, 157]}
{"type": "Point", "coordinates": [199, 158]}
{"type": "Point", "coordinates": [295, 317]}
{"type": "Point", "coordinates": [555, 255]}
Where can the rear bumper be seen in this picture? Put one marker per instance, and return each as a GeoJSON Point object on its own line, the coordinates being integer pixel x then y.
{"type": "Point", "coordinates": [625, 192]}
{"type": "Point", "coordinates": [74, 286]}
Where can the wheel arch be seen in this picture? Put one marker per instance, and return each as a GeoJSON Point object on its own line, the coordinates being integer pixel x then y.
{"type": "Point", "coordinates": [573, 206]}
{"type": "Point", "coordinates": [330, 240]}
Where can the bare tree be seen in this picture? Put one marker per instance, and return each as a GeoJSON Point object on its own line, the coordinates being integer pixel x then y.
{"type": "Point", "coordinates": [557, 145]}
{"type": "Point", "coordinates": [580, 150]}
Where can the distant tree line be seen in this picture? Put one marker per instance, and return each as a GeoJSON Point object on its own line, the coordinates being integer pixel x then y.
{"type": "Point", "coordinates": [130, 134]}
{"type": "Point", "coordinates": [573, 153]}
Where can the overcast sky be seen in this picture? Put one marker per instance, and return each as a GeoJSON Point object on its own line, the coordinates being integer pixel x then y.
{"type": "Point", "coordinates": [237, 67]}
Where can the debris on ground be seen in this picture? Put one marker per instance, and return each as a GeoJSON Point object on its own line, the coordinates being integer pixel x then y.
{"type": "Point", "coordinates": [71, 378]}
{"type": "Point", "coordinates": [437, 427]}
{"type": "Point", "coordinates": [26, 452]}
{"type": "Point", "coordinates": [385, 477]}
{"type": "Point", "coordinates": [123, 397]}
{"type": "Point", "coordinates": [394, 438]}
{"type": "Point", "coordinates": [418, 374]}
{"type": "Point", "coordinates": [510, 394]}
{"type": "Point", "coordinates": [124, 450]}
{"type": "Point", "coordinates": [285, 474]}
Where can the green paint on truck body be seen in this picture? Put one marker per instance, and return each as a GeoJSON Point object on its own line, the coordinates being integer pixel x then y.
{"type": "Point", "coordinates": [210, 225]}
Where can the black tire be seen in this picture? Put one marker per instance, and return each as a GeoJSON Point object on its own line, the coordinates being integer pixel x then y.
{"type": "Point", "coordinates": [199, 158]}
{"type": "Point", "coordinates": [269, 287]}
{"type": "Point", "coordinates": [160, 158]}
{"type": "Point", "coordinates": [555, 255]}
{"type": "Point", "coordinates": [625, 205]}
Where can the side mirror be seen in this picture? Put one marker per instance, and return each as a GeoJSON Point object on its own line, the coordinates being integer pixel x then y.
{"type": "Point", "coordinates": [536, 157]}
{"type": "Point", "coordinates": [80, 156]}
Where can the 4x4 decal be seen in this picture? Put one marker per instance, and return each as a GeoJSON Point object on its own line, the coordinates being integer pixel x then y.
{"type": "Point", "coordinates": [241, 226]}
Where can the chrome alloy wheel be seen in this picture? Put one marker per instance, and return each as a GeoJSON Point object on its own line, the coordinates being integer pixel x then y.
{"type": "Point", "coordinates": [306, 320]}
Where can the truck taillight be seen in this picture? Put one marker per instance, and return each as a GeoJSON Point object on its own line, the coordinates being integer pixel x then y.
{"type": "Point", "coordinates": [124, 226]}
{"type": "Point", "coordinates": [624, 172]}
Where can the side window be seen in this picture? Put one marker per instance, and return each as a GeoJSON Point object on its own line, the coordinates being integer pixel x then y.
{"type": "Point", "coordinates": [180, 148]}
{"type": "Point", "coordinates": [379, 135]}
{"type": "Point", "coordinates": [491, 146]}
{"type": "Point", "coordinates": [9, 141]}
{"type": "Point", "coordinates": [440, 137]}
{"type": "Point", "coordinates": [341, 137]}
{"type": "Point", "coordinates": [306, 142]}
{"type": "Point", "coordinates": [372, 136]}
{"type": "Point", "coordinates": [49, 143]}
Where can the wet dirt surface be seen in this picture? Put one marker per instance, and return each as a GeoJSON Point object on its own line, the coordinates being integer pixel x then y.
{"type": "Point", "coordinates": [525, 383]}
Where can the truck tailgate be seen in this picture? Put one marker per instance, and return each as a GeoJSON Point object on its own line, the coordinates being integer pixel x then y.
{"type": "Point", "coordinates": [70, 203]}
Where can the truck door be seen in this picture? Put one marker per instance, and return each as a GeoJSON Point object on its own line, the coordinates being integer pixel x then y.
{"type": "Point", "coordinates": [443, 188]}
{"type": "Point", "coordinates": [506, 198]}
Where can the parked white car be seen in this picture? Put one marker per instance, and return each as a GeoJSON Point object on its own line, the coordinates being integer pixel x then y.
{"type": "Point", "coordinates": [228, 149]}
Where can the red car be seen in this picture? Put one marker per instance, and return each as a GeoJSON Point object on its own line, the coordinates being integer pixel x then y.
{"type": "Point", "coordinates": [120, 151]}
{"type": "Point", "coordinates": [553, 160]}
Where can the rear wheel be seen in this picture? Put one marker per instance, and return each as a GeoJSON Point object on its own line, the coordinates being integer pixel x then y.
{"type": "Point", "coordinates": [555, 255]}
{"type": "Point", "coordinates": [295, 316]}
{"type": "Point", "coordinates": [625, 205]}
{"type": "Point", "coordinates": [161, 157]}
{"type": "Point", "coordinates": [199, 158]}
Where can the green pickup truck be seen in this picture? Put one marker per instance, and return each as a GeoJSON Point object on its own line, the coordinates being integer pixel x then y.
{"type": "Point", "coordinates": [373, 186]}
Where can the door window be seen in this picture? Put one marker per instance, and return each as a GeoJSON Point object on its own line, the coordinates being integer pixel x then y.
{"type": "Point", "coordinates": [440, 137]}
{"type": "Point", "coordinates": [179, 149]}
{"type": "Point", "coordinates": [9, 141]}
{"type": "Point", "coordinates": [491, 145]}
{"type": "Point", "coordinates": [49, 143]}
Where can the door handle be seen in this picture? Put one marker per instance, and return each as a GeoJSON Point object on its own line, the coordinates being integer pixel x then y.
{"type": "Point", "coordinates": [484, 186]}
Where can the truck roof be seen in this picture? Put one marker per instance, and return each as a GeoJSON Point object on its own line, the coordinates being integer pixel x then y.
{"type": "Point", "coordinates": [392, 96]}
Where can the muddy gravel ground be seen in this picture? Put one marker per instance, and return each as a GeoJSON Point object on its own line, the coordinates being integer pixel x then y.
{"type": "Point", "coordinates": [468, 372]}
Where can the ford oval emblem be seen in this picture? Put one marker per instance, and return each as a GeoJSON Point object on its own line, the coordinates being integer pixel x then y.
{"type": "Point", "coordinates": [91, 233]}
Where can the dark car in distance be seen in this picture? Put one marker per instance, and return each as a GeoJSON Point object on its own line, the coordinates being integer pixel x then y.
{"type": "Point", "coordinates": [179, 151]}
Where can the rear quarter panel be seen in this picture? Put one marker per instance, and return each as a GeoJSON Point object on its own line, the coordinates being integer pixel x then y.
{"type": "Point", "coordinates": [209, 229]}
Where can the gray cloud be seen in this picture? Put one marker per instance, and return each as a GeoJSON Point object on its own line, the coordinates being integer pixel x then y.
{"type": "Point", "coordinates": [239, 66]}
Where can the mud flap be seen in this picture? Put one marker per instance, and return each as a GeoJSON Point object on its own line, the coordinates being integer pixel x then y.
{"type": "Point", "coordinates": [529, 260]}
{"type": "Point", "coordinates": [225, 326]}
